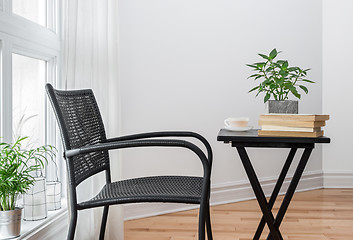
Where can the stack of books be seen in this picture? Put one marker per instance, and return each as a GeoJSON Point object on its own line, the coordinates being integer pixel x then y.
{"type": "Point", "coordinates": [292, 125]}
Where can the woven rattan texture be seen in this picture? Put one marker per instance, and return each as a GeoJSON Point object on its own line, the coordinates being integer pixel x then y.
{"type": "Point", "coordinates": [150, 189]}
{"type": "Point", "coordinates": [85, 127]}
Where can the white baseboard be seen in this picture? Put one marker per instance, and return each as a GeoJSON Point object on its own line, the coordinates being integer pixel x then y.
{"type": "Point", "coordinates": [338, 179]}
{"type": "Point", "coordinates": [222, 194]}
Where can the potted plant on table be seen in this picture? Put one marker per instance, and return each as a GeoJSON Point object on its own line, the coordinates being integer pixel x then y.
{"type": "Point", "coordinates": [279, 80]}
{"type": "Point", "coordinates": [17, 175]}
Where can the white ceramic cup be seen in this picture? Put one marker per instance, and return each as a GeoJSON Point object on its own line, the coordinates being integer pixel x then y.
{"type": "Point", "coordinates": [236, 122]}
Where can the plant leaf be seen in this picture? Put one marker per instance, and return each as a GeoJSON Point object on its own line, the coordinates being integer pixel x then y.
{"type": "Point", "coordinates": [273, 85]}
{"type": "Point", "coordinates": [254, 89]}
{"type": "Point", "coordinates": [267, 97]}
{"type": "Point", "coordinates": [293, 90]}
{"type": "Point", "coordinates": [306, 80]}
{"type": "Point", "coordinates": [263, 56]}
{"type": "Point", "coordinates": [277, 65]}
{"type": "Point", "coordinates": [250, 65]}
{"type": "Point", "coordinates": [254, 75]}
{"type": "Point", "coordinates": [260, 64]}
{"type": "Point", "coordinates": [273, 53]}
{"type": "Point", "coordinates": [304, 88]}
{"type": "Point", "coordinates": [269, 69]}
{"type": "Point", "coordinates": [283, 73]}
{"type": "Point", "coordinates": [292, 69]}
{"type": "Point", "coordinates": [285, 65]}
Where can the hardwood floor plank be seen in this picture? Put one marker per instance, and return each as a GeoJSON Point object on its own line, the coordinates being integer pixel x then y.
{"type": "Point", "coordinates": [325, 214]}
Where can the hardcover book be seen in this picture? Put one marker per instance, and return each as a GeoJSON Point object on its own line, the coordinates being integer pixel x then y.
{"type": "Point", "coordinates": [292, 123]}
{"type": "Point", "coordinates": [290, 134]}
{"type": "Point", "coordinates": [295, 117]}
{"type": "Point", "coordinates": [292, 129]}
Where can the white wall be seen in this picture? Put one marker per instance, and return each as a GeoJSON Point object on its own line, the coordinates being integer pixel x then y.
{"type": "Point", "coordinates": [182, 66]}
{"type": "Point", "coordinates": [337, 91]}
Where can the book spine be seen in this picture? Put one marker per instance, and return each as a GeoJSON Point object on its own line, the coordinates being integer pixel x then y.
{"type": "Point", "coordinates": [296, 117]}
{"type": "Point", "coordinates": [290, 134]}
{"type": "Point", "coordinates": [292, 123]}
{"type": "Point", "coordinates": [291, 129]}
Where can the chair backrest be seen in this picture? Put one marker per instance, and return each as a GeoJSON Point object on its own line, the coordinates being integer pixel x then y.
{"type": "Point", "coordinates": [80, 124]}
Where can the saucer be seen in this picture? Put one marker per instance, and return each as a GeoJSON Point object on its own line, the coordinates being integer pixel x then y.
{"type": "Point", "coordinates": [238, 129]}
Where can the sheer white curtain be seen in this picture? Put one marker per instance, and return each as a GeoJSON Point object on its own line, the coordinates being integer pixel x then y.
{"type": "Point", "coordinates": [90, 60]}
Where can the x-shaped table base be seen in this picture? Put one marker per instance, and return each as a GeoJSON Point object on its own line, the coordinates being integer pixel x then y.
{"type": "Point", "coordinates": [266, 207]}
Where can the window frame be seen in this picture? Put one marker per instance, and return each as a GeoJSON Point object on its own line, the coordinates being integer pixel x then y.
{"type": "Point", "coordinates": [24, 37]}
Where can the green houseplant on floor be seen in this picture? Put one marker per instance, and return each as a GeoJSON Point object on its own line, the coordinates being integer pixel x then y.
{"type": "Point", "coordinates": [17, 175]}
{"type": "Point", "coordinates": [279, 80]}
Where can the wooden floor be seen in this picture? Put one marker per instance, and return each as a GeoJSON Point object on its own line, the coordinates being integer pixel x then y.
{"type": "Point", "coordinates": [313, 215]}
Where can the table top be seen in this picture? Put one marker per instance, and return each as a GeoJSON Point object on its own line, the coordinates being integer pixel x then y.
{"type": "Point", "coordinates": [252, 136]}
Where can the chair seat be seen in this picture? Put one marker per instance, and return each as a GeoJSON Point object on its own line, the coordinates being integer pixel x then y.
{"type": "Point", "coordinates": [182, 189]}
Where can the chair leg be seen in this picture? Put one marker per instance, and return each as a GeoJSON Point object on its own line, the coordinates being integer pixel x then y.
{"type": "Point", "coordinates": [208, 223]}
{"type": "Point", "coordinates": [104, 222]}
{"type": "Point", "coordinates": [72, 226]}
{"type": "Point", "coordinates": [202, 217]}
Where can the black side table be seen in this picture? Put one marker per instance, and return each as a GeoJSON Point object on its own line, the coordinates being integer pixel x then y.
{"type": "Point", "coordinates": [241, 140]}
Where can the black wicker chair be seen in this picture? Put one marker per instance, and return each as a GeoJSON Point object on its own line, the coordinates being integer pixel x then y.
{"type": "Point", "coordinates": [86, 153]}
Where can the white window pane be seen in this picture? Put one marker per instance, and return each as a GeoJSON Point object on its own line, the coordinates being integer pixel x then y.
{"type": "Point", "coordinates": [28, 95]}
{"type": "Point", "coordinates": [33, 10]}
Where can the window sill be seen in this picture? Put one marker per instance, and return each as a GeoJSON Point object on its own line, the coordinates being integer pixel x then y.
{"type": "Point", "coordinates": [38, 229]}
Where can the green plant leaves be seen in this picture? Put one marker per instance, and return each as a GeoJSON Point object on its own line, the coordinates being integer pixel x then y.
{"type": "Point", "coordinates": [278, 78]}
{"type": "Point", "coordinates": [283, 73]}
{"type": "Point", "coordinates": [17, 166]}
{"type": "Point", "coordinates": [292, 89]}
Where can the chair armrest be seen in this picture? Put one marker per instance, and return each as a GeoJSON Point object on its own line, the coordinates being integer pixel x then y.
{"type": "Point", "coordinates": [167, 134]}
{"type": "Point", "coordinates": [143, 143]}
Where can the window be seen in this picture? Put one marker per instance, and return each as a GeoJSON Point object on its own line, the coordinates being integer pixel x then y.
{"type": "Point", "coordinates": [29, 56]}
{"type": "Point", "coordinates": [33, 10]}
{"type": "Point", "coordinates": [28, 115]}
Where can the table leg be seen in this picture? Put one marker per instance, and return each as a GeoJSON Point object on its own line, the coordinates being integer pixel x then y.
{"type": "Point", "coordinates": [254, 181]}
{"type": "Point", "coordinates": [276, 190]}
{"type": "Point", "coordinates": [291, 189]}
